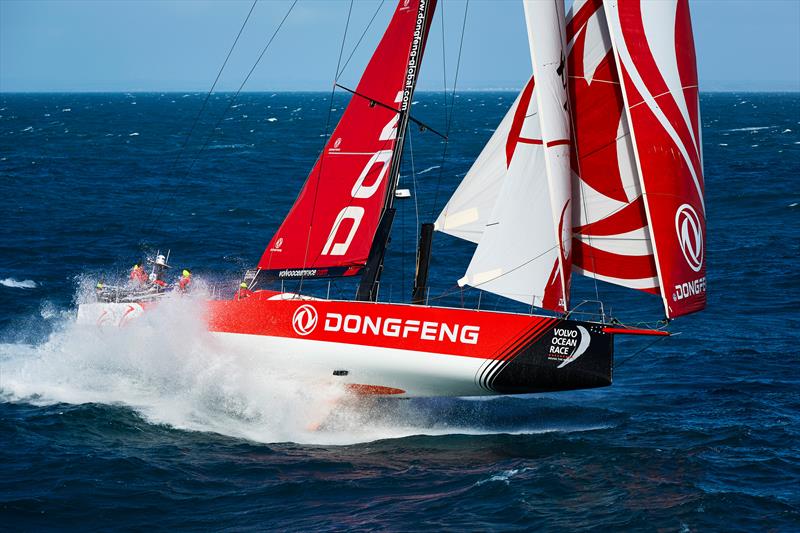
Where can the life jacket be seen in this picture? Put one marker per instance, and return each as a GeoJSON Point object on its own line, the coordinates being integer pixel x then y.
{"type": "Point", "coordinates": [184, 283]}
{"type": "Point", "coordinates": [138, 275]}
{"type": "Point", "coordinates": [241, 294]}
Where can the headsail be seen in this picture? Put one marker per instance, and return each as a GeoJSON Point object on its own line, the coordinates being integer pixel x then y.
{"type": "Point", "coordinates": [330, 228]}
{"type": "Point", "coordinates": [611, 233]}
{"type": "Point", "coordinates": [467, 212]}
{"type": "Point", "coordinates": [655, 56]}
{"type": "Point", "coordinates": [523, 248]}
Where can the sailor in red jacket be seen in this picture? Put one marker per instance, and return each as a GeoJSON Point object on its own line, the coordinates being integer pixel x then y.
{"type": "Point", "coordinates": [138, 277]}
{"type": "Point", "coordinates": [243, 292]}
{"type": "Point", "coordinates": [185, 281]}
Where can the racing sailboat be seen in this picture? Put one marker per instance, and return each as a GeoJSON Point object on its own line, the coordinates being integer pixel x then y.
{"type": "Point", "coordinates": [595, 170]}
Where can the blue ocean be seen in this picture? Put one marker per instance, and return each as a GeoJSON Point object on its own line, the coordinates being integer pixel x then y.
{"type": "Point", "coordinates": [153, 428]}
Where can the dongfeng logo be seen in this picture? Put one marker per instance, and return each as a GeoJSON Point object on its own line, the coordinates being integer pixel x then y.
{"type": "Point", "coordinates": [337, 143]}
{"type": "Point", "coordinates": [690, 236]}
{"type": "Point", "coordinates": [279, 242]}
{"type": "Point", "coordinates": [304, 320]}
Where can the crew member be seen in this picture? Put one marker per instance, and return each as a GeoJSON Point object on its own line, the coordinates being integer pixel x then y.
{"type": "Point", "coordinates": [243, 292]}
{"type": "Point", "coordinates": [100, 291]}
{"type": "Point", "coordinates": [185, 281]}
{"type": "Point", "coordinates": [138, 276]}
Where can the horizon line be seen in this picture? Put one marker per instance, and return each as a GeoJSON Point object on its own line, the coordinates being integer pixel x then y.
{"type": "Point", "coordinates": [326, 91]}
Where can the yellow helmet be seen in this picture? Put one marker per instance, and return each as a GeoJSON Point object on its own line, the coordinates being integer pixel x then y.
{"type": "Point", "coordinates": [186, 273]}
{"type": "Point", "coordinates": [243, 285]}
{"type": "Point", "coordinates": [99, 284]}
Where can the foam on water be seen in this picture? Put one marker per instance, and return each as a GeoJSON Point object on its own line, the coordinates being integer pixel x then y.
{"type": "Point", "coordinates": [167, 367]}
{"type": "Point", "coordinates": [751, 128]}
{"type": "Point", "coordinates": [434, 167]}
{"type": "Point", "coordinates": [16, 284]}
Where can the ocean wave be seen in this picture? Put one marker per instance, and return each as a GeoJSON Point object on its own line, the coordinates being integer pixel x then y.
{"type": "Point", "coordinates": [503, 476]}
{"type": "Point", "coordinates": [229, 146]}
{"type": "Point", "coordinates": [427, 170]}
{"type": "Point", "coordinates": [16, 284]}
{"type": "Point", "coordinates": [751, 128]}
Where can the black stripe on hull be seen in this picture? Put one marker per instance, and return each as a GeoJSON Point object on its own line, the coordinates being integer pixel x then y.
{"type": "Point", "coordinates": [568, 355]}
{"type": "Point", "coordinates": [490, 368]}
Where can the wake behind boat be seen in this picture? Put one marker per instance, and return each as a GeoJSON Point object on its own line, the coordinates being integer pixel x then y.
{"type": "Point", "coordinates": [596, 169]}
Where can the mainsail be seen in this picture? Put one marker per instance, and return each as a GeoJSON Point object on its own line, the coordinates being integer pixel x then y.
{"type": "Point", "coordinates": [330, 228]}
{"type": "Point", "coordinates": [611, 233]}
{"type": "Point", "coordinates": [654, 52]}
{"type": "Point", "coordinates": [515, 201]}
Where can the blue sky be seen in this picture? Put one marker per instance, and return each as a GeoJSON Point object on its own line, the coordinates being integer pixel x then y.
{"type": "Point", "coordinates": [178, 45]}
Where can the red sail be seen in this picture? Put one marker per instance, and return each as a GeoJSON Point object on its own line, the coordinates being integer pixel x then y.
{"type": "Point", "coordinates": [330, 228]}
{"type": "Point", "coordinates": [655, 54]}
{"type": "Point", "coordinates": [611, 239]}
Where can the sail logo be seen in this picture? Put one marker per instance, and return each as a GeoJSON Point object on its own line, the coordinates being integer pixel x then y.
{"type": "Point", "coordinates": [304, 320]}
{"type": "Point", "coordinates": [690, 236]}
{"type": "Point", "coordinates": [567, 345]}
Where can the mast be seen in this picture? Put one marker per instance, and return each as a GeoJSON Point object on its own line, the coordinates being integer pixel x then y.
{"type": "Point", "coordinates": [423, 262]}
{"type": "Point", "coordinates": [368, 288]}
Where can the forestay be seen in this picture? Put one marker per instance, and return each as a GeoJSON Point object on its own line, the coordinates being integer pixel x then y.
{"type": "Point", "coordinates": [331, 226]}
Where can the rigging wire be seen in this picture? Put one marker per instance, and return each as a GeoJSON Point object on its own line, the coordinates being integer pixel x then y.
{"type": "Point", "coordinates": [325, 140]}
{"type": "Point", "coordinates": [452, 106]}
{"type": "Point", "coordinates": [583, 199]}
{"type": "Point", "coordinates": [182, 150]}
{"type": "Point", "coordinates": [647, 347]}
{"type": "Point", "coordinates": [352, 52]}
{"type": "Point", "coordinates": [413, 178]}
{"type": "Point", "coordinates": [225, 111]}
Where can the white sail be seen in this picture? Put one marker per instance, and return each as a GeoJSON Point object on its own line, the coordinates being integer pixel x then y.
{"type": "Point", "coordinates": [547, 41]}
{"type": "Point", "coordinates": [524, 247]}
{"type": "Point", "coordinates": [516, 255]}
{"type": "Point", "coordinates": [466, 214]}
